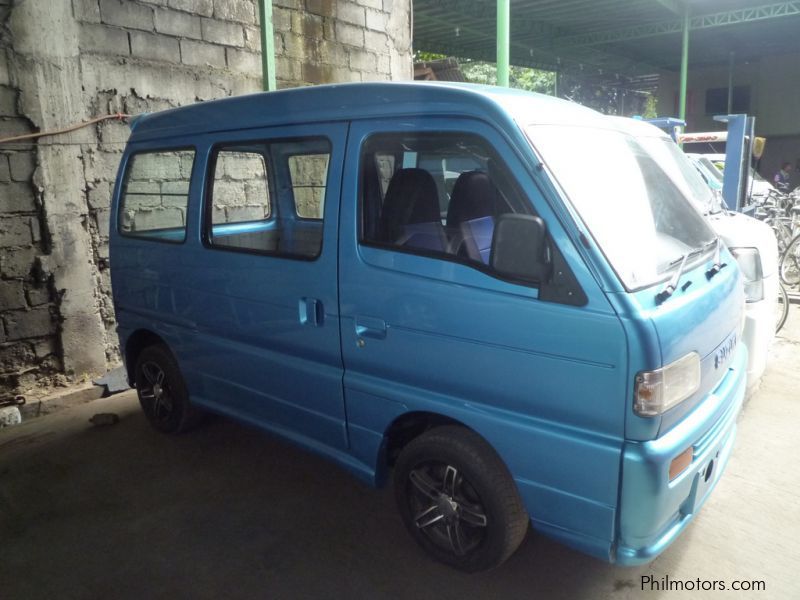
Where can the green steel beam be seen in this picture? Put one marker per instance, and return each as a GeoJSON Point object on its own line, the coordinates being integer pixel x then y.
{"type": "Point", "coordinates": [433, 33]}
{"type": "Point", "coordinates": [503, 41]}
{"type": "Point", "coordinates": [709, 21]}
{"type": "Point", "coordinates": [268, 82]}
{"type": "Point", "coordinates": [731, 65]}
{"type": "Point", "coordinates": [567, 65]}
{"type": "Point", "coordinates": [684, 64]}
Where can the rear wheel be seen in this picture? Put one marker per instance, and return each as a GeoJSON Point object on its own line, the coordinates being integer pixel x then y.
{"type": "Point", "coordinates": [162, 391]}
{"type": "Point", "coordinates": [458, 500]}
{"type": "Point", "coordinates": [790, 263]}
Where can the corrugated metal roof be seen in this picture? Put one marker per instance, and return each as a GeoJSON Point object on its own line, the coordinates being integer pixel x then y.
{"type": "Point", "coordinates": [625, 41]}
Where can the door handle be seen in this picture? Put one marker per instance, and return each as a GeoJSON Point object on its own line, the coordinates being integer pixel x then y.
{"type": "Point", "coordinates": [370, 327]}
{"type": "Point", "coordinates": [311, 312]}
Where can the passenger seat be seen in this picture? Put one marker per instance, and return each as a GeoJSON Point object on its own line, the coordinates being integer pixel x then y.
{"type": "Point", "coordinates": [470, 216]}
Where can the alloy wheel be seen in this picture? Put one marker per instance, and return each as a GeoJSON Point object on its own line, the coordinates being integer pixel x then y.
{"type": "Point", "coordinates": [446, 508]}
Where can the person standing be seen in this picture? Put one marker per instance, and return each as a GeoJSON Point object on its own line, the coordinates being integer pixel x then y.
{"type": "Point", "coordinates": [781, 179]}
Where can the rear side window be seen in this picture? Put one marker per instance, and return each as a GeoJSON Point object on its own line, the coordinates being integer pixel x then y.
{"type": "Point", "coordinates": [155, 195]}
{"type": "Point", "coordinates": [268, 197]}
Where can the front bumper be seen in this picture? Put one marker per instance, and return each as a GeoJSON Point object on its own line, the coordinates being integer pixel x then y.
{"type": "Point", "coordinates": [653, 510]}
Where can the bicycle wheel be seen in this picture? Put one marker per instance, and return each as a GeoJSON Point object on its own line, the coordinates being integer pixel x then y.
{"type": "Point", "coordinates": [789, 269]}
{"type": "Point", "coordinates": [782, 309]}
{"type": "Point", "coordinates": [783, 234]}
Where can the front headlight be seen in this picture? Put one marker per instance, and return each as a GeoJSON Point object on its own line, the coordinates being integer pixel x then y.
{"type": "Point", "coordinates": [750, 265]}
{"type": "Point", "coordinates": [658, 391]}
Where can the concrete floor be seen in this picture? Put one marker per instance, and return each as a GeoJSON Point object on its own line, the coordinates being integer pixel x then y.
{"type": "Point", "coordinates": [227, 512]}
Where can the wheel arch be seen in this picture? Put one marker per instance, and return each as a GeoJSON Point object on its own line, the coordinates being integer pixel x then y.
{"type": "Point", "coordinates": [136, 342]}
{"type": "Point", "coordinates": [406, 427]}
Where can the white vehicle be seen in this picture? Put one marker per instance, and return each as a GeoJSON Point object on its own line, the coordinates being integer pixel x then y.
{"type": "Point", "coordinates": [709, 171]}
{"type": "Point", "coordinates": [749, 240]}
{"type": "Point", "coordinates": [759, 187]}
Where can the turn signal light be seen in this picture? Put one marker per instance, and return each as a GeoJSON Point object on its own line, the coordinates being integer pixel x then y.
{"type": "Point", "coordinates": [681, 463]}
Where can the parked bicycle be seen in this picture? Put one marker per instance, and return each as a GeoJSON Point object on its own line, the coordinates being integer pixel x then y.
{"type": "Point", "coordinates": [782, 311]}
{"type": "Point", "coordinates": [789, 267]}
{"type": "Point", "coordinates": [781, 212]}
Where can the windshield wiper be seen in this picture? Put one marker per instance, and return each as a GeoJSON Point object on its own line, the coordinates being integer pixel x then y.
{"type": "Point", "coordinates": [717, 266]}
{"type": "Point", "coordinates": [670, 288]}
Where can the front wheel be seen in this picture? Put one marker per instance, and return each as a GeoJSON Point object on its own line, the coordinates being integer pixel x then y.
{"type": "Point", "coordinates": [458, 500]}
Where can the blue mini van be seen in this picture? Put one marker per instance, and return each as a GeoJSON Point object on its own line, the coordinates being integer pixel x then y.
{"type": "Point", "coordinates": [492, 295]}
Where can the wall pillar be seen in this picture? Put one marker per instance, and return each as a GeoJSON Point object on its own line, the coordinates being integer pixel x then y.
{"type": "Point", "coordinates": [46, 67]}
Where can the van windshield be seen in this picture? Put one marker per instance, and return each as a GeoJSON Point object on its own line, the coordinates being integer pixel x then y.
{"type": "Point", "coordinates": [679, 167]}
{"type": "Point", "coordinates": [641, 220]}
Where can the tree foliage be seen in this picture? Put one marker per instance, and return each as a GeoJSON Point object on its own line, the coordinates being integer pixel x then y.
{"type": "Point", "coordinates": [604, 97]}
{"type": "Point", "coordinates": [523, 78]}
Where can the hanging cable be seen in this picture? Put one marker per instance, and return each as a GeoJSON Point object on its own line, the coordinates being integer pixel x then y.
{"type": "Point", "coordinates": [32, 136]}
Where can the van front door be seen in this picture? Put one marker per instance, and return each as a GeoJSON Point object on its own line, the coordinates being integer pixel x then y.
{"type": "Point", "coordinates": [428, 326]}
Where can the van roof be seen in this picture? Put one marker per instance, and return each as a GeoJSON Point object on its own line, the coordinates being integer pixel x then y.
{"type": "Point", "coordinates": [336, 102]}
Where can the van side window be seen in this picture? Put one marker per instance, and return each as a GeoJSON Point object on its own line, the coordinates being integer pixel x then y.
{"type": "Point", "coordinates": [155, 195]}
{"type": "Point", "coordinates": [436, 194]}
{"type": "Point", "coordinates": [268, 197]}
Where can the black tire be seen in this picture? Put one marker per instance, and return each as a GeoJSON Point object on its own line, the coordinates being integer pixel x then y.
{"type": "Point", "coordinates": [458, 500]}
{"type": "Point", "coordinates": [789, 269]}
{"type": "Point", "coordinates": [162, 391]}
{"type": "Point", "coordinates": [782, 310]}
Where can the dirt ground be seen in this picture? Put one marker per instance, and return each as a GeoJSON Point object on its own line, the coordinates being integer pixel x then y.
{"type": "Point", "coordinates": [228, 512]}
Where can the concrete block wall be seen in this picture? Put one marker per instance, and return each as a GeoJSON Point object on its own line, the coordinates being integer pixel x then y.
{"type": "Point", "coordinates": [72, 60]}
{"type": "Point", "coordinates": [28, 320]}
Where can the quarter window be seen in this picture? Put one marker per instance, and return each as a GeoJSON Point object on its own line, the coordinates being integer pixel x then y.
{"type": "Point", "coordinates": [155, 195]}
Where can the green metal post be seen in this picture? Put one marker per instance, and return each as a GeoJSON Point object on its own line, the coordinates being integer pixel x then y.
{"type": "Point", "coordinates": [503, 40]}
{"type": "Point", "coordinates": [684, 64]}
{"type": "Point", "coordinates": [731, 61]}
{"type": "Point", "coordinates": [267, 46]}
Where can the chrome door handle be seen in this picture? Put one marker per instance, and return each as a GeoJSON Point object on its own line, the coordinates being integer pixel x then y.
{"type": "Point", "coordinates": [311, 312]}
{"type": "Point", "coordinates": [370, 327]}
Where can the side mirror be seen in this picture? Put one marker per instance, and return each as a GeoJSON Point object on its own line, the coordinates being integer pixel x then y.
{"type": "Point", "coordinates": [519, 248]}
